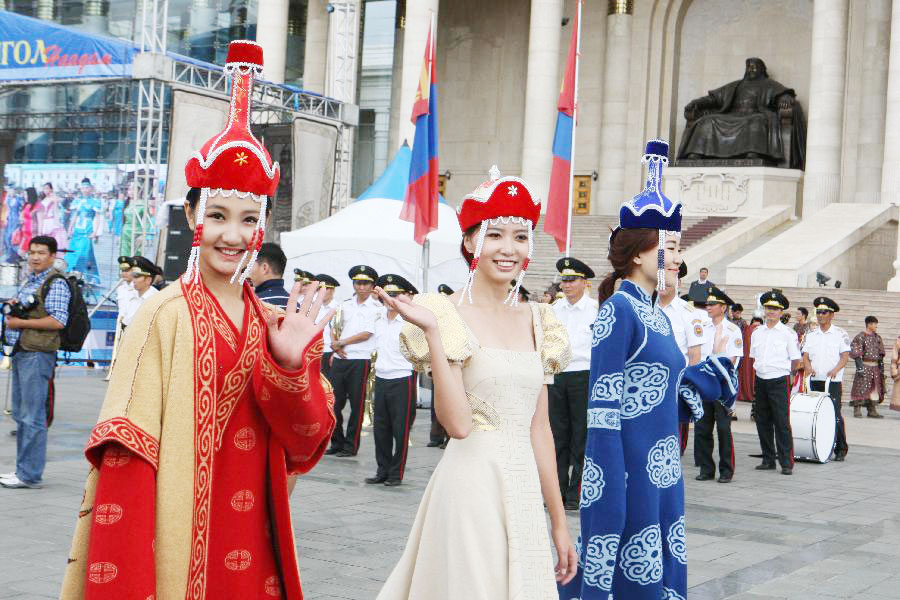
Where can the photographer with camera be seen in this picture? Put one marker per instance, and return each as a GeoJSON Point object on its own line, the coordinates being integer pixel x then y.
{"type": "Point", "coordinates": [32, 324]}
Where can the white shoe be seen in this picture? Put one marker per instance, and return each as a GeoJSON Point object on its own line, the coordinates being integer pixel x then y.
{"type": "Point", "coordinates": [16, 483]}
{"type": "Point", "coordinates": [9, 475]}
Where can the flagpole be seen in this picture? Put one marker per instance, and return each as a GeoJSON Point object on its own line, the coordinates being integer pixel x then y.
{"type": "Point", "coordinates": [426, 247]}
{"type": "Point", "coordinates": [574, 129]}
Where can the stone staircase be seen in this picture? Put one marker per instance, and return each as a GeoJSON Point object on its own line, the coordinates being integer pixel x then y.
{"type": "Point", "coordinates": [590, 237]}
{"type": "Point", "coordinates": [855, 306]}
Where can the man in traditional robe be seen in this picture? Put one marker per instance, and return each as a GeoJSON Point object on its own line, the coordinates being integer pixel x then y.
{"type": "Point", "coordinates": [867, 350]}
{"type": "Point", "coordinates": [741, 120]}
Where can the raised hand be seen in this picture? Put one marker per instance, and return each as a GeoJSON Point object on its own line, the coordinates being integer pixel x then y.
{"type": "Point", "coordinates": [416, 314]}
{"type": "Point", "coordinates": [288, 337]}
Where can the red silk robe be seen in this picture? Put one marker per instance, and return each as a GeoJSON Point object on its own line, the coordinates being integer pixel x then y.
{"type": "Point", "coordinates": [264, 423]}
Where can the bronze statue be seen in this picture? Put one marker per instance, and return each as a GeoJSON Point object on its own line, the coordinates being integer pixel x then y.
{"type": "Point", "coordinates": [743, 120]}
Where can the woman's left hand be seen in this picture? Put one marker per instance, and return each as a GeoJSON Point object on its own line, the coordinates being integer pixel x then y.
{"type": "Point", "coordinates": [567, 564]}
{"type": "Point", "coordinates": [289, 336]}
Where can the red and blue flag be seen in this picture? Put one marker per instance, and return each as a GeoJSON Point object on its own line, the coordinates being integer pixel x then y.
{"type": "Point", "coordinates": [421, 203]}
{"type": "Point", "coordinates": [556, 221]}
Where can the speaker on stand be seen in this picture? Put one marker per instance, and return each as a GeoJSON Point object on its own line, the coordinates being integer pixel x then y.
{"type": "Point", "coordinates": [178, 244]}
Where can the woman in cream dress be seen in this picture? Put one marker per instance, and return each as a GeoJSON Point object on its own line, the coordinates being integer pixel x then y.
{"type": "Point", "coordinates": [481, 531]}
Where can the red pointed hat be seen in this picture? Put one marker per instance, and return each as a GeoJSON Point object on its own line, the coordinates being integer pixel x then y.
{"type": "Point", "coordinates": [499, 197]}
{"type": "Point", "coordinates": [234, 159]}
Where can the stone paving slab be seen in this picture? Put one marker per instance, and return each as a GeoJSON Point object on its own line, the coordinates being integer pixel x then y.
{"type": "Point", "coordinates": [827, 532]}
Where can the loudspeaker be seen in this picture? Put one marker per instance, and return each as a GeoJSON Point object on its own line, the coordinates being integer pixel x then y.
{"type": "Point", "coordinates": [178, 244]}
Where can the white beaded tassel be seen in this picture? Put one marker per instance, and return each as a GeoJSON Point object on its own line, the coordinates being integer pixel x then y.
{"type": "Point", "coordinates": [513, 298]}
{"type": "Point", "coordinates": [192, 272]}
{"type": "Point", "coordinates": [661, 262]}
{"type": "Point", "coordinates": [259, 232]}
{"type": "Point", "coordinates": [470, 280]}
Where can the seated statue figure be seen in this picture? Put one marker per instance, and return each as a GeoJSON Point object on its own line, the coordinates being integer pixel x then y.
{"type": "Point", "coordinates": [741, 120]}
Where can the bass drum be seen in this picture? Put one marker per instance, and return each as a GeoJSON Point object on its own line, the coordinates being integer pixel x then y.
{"type": "Point", "coordinates": [813, 426]}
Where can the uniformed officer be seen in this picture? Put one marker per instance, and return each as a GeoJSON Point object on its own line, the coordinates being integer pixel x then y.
{"type": "Point", "coordinates": [302, 276]}
{"type": "Point", "coordinates": [776, 354]}
{"type": "Point", "coordinates": [568, 396]}
{"type": "Point", "coordinates": [688, 334]}
{"type": "Point", "coordinates": [351, 360]}
{"type": "Point", "coordinates": [826, 351]}
{"type": "Point", "coordinates": [438, 435]}
{"type": "Point", "coordinates": [395, 388]}
{"type": "Point", "coordinates": [327, 304]}
{"type": "Point", "coordinates": [714, 413]}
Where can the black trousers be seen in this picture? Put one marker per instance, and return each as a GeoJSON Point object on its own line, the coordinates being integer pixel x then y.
{"type": "Point", "coordinates": [348, 377]}
{"type": "Point", "coordinates": [395, 411]}
{"type": "Point", "coordinates": [834, 390]}
{"type": "Point", "coordinates": [568, 399]}
{"type": "Point", "coordinates": [326, 364]}
{"type": "Point", "coordinates": [773, 422]}
{"type": "Point", "coordinates": [714, 415]}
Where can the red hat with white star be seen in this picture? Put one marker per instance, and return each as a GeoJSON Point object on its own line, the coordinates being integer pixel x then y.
{"type": "Point", "coordinates": [234, 162]}
{"type": "Point", "coordinates": [500, 199]}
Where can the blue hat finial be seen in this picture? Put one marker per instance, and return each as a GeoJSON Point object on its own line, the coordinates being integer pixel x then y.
{"type": "Point", "coordinates": [651, 209]}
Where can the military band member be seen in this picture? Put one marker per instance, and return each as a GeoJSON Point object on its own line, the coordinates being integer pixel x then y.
{"type": "Point", "coordinates": [776, 354]}
{"type": "Point", "coordinates": [351, 359]}
{"type": "Point", "coordinates": [569, 393]}
{"type": "Point", "coordinates": [867, 351]}
{"type": "Point", "coordinates": [438, 437]}
{"type": "Point", "coordinates": [395, 388]}
{"type": "Point", "coordinates": [826, 349]}
{"type": "Point", "coordinates": [328, 303]}
{"type": "Point", "coordinates": [714, 413]}
{"type": "Point", "coordinates": [142, 274]}
{"type": "Point", "coordinates": [688, 334]}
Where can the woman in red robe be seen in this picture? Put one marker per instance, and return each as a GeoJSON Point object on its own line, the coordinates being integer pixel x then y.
{"type": "Point", "coordinates": [214, 400]}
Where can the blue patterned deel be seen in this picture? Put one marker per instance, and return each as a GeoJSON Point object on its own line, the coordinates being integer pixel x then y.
{"type": "Point", "coordinates": [632, 492]}
{"type": "Point", "coordinates": [651, 209]}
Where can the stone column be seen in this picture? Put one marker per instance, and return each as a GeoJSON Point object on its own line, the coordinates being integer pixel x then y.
{"type": "Point", "coordinates": [614, 119]}
{"type": "Point", "coordinates": [271, 34]}
{"type": "Point", "coordinates": [541, 93]}
{"type": "Point", "coordinates": [417, 22]}
{"type": "Point", "coordinates": [822, 182]}
{"type": "Point", "coordinates": [316, 56]}
{"type": "Point", "coordinates": [870, 149]}
{"type": "Point", "coordinates": [890, 179]}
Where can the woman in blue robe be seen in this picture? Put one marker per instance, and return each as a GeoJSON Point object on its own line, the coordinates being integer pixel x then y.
{"type": "Point", "coordinates": [632, 543]}
{"type": "Point", "coordinates": [81, 245]}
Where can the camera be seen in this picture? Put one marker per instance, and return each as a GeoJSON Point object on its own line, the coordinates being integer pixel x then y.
{"type": "Point", "coordinates": [19, 309]}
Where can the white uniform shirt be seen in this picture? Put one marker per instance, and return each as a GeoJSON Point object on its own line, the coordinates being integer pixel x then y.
{"type": "Point", "coordinates": [825, 348]}
{"type": "Point", "coordinates": [134, 302]}
{"type": "Point", "coordinates": [124, 293]}
{"type": "Point", "coordinates": [734, 345]}
{"type": "Point", "coordinates": [682, 318]}
{"type": "Point", "coordinates": [773, 349]}
{"type": "Point", "coordinates": [390, 364]}
{"type": "Point", "coordinates": [358, 318]}
{"type": "Point", "coordinates": [577, 319]}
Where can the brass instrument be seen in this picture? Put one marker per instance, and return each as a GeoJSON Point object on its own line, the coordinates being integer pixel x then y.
{"type": "Point", "coordinates": [369, 400]}
{"type": "Point", "coordinates": [337, 325]}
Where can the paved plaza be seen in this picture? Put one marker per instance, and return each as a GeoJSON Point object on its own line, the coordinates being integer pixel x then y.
{"type": "Point", "coordinates": [829, 531]}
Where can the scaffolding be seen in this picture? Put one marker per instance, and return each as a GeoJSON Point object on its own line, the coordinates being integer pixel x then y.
{"type": "Point", "coordinates": [342, 53]}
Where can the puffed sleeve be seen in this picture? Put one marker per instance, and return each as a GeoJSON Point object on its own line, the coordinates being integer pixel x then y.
{"type": "Point", "coordinates": [454, 336]}
{"type": "Point", "coordinates": [713, 380]}
{"type": "Point", "coordinates": [554, 343]}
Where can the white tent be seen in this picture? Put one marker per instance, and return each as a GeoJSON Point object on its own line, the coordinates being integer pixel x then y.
{"type": "Point", "coordinates": [370, 232]}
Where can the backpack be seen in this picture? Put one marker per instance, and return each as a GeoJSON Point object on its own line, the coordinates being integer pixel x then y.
{"type": "Point", "coordinates": [72, 336]}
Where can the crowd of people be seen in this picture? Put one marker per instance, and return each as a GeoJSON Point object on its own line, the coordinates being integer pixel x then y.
{"type": "Point", "coordinates": [228, 385]}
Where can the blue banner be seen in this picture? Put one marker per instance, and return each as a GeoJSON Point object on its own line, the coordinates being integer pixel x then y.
{"type": "Point", "coordinates": [34, 49]}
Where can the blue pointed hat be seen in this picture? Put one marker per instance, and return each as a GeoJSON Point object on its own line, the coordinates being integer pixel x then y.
{"type": "Point", "coordinates": [651, 209]}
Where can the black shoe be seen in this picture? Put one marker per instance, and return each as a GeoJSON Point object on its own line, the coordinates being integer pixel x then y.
{"type": "Point", "coordinates": [345, 454]}
{"type": "Point", "coordinates": [432, 444]}
{"type": "Point", "coordinates": [443, 444]}
{"type": "Point", "coordinates": [570, 505]}
{"type": "Point", "coordinates": [332, 450]}
{"type": "Point", "coordinates": [376, 479]}
{"type": "Point", "coordinates": [704, 477]}
{"type": "Point", "coordinates": [765, 467]}
{"type": "Point", "coordinates": [839, 457]}
{"type": "Point", "coordinates": [787, 470]}
{"type": "Point", "coordinates": [723, 479]}
{"type": "Point", "coordinates": [392, 482]}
